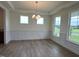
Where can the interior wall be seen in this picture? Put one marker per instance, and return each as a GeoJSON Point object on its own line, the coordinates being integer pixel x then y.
{"type": "Point", "coordinates": [29, 31]}
{"type": "Point", "coordinates": [63, 39]}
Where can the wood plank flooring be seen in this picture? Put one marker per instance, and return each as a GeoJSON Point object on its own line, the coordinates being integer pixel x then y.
{"type": "Point", "coordinates": [34, 48]}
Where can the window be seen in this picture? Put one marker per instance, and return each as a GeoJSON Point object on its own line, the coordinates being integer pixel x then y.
{"type": "Point", "coordinates": [57, 26]}
{"type": "Point", "coordinates": [40, 21]}
{"type": "Point", "coordinates": [24, 19]}
{"type": "Point", "coordinates": [74, 27]}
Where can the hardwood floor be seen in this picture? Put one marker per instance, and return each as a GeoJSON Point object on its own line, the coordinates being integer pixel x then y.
{"type": "Point", "coordinates": [34, 48]}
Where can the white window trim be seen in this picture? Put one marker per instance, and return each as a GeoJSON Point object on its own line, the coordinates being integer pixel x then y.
{"type": "Point", "coordinates": [68, 33]}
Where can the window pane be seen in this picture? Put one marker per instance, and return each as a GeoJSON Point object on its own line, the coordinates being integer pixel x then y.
{"type": "Point", "coordinates": [74, 28]}
{"type": "Point", "coordinates": [40, 21]}
{"type": "Point", "coordinates": [24, 19]}
{"type": "Point", "coordinates": [57, 26]}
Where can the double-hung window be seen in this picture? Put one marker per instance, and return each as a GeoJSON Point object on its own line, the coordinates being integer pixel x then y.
{"type": "Point", "coordinates": [23, 19]}
{"type": "Point", "coordinates": [57, 22]}
{"type": "Point", "coordinates": [74, 27]}
{"type": "Point", "coordinates": [40, 21]}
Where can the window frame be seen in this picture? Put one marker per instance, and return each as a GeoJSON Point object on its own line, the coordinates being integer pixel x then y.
{"type": "Point", "coordinates": [69, 25]}
{"type": "Point", "coordinates": [55, 25]}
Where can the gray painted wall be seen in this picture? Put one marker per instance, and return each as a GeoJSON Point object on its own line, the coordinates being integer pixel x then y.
{"type": "Point", "coordinates": [63, 39]}
{"type": "Point", "coordinates": [28, 31]}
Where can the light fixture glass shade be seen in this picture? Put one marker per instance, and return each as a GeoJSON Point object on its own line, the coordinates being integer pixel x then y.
{"type": "Point", "coordinates": [38, 17]}
{"type": "Point", "coordinates": [33, 16]}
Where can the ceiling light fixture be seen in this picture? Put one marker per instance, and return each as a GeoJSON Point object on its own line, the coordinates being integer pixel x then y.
{"type": "Point", "coordinates": [36, 15]}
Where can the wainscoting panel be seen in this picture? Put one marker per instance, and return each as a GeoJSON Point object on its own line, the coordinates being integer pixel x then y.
{"type": "Point", "coordinates": [29, 35]}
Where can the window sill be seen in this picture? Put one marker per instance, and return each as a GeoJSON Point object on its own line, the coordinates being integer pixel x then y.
{"type": "Point", "coordinates": [75, 43]}
{"type": "Point", "coordinates": [56, 36]}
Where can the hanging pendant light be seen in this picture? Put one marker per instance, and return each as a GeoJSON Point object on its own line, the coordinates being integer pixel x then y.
{"type": "Point", "coordinates": [33, 16]}
{"type": "Point", "coordinates": [36, 15]}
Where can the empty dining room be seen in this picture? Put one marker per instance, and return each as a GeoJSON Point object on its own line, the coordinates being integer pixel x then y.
{"type": "Point", "coordinates": [39, 28]}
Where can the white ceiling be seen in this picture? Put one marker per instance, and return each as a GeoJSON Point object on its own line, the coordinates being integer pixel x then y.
{"type": "Point", "coordinates": [44, 6]}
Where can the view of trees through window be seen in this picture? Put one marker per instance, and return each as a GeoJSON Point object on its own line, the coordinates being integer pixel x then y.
{"type": "Point", "coordinates": [23, 19]}
{"type": "Point", "coordinates": [74, 28]}
{"type": "Point", "coordinates": [57, 26]}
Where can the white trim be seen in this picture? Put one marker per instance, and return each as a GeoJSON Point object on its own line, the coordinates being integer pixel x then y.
{"type": "Point", "coordinates": [5, 30]}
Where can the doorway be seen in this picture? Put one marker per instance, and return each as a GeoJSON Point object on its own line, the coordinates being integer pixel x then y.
{"type": "Point", "coordinates": [2, 25]}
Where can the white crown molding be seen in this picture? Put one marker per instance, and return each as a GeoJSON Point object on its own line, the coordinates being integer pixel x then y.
{"type": "Point", "coordinates": [11, 5]}
{"type": "Point", "coordinates": [61, 7]}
